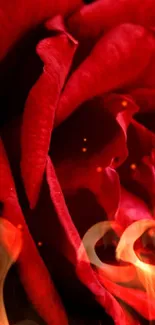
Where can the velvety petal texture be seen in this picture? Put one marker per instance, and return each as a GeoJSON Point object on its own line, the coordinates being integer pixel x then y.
{"type": "Point", "coordinates": [77, 157]}
{"type": "Point", "coordinates": [91, 20]}
{"type": "Point", "coordinates": [120, 51]}
{"type": "Point", "coordinates": [84, 271]}
{"type": "Point", "coordinates": [17, 17]}
{"type": "Point", "coordinates": [56, 53]}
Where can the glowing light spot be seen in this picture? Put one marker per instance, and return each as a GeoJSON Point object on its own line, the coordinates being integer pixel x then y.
{"type": "Point", "coordinates": [40, 243]}
{"type": "Point", "coordinates": [85, 139]}
{"type": "Point", "coordinates": [20, 227]}
{"type": "Point", "coordinates": [124, 103]}
{"type": "Point", "coordinates": [133, 166]}
{"type": "Point", "coordinates": [84, 149]}
{"type": "Point", "coordinates": [99, 169]}
{"type": "Point", "coordinates": [151, 232]}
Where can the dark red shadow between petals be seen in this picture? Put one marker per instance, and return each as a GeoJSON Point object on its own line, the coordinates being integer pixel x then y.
{"type": "Point", "coordinates": [33, 273]}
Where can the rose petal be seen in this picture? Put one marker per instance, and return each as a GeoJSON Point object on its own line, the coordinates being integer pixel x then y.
{"type": "Point", "coordinates": [123, 105]}
{"type": "Point", "coordinates": [123, 108]}
{"type": "Point", "coordinates": [91, 20]}
{"type": "Point", "coordinates": [147, 79]}
{"type": "Point", "coordinates": [83, 166]}
{"type": "Point", "coordinates": [56, 53]}
{"type": "Point", "coordinates": [33, 272]}
{"type": "Point", "coordinates": [83, 269]}
{"type": "Point", "coordinates": [104, 298]}
{"type": "Point", "coordinates": [120, 63]}
{"type": "Point", "coordinates": [140, 144]}
{"type": "Point", "coordinates": [135, 298]}
{"type": "Point", "coordinates": [145, 98]}
{"type": "Point", "coordinates": [131, 208]}
{"type": "Point", "coordinates": [145, 176]}
{"type": "Point", "coordinates": [18, 16]}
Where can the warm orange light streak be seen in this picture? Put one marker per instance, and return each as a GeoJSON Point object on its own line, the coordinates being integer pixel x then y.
{"type": "Point", "coordinates": [10, 247]}
{"type": "Point", "coordinates": [138, 275]}
{"type": "Point", "coordinates": [125, 252]}
{"type": "Point", "coordinates": [114, 273]}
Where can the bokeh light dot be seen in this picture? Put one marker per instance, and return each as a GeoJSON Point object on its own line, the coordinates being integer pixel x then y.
{"type": "Point", "coordinates": [20, 227]}
{"type": "Point", "coordinates": [124, 103]}
{"type": "Point", "coordinates": [40, 243]}
{"type": "Point", "coordinates": [133, 166]}
{"type": "Point", "coordinates": [99, 169]}
{"type": "Point", "coordinates": [84, 149]}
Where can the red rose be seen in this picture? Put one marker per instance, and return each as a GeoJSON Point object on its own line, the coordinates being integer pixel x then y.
{"type": "Point", "coordinates": [77, 148]}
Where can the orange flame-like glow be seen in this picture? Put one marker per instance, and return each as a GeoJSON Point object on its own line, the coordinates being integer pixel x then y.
{"type": "Point", "coordinates": [125, 252]}
{"type": "Point", "coordinates": [10, 247]}
{"type": "Point", "coordinates": [136, 272]}
{"type": "Point", "coordinates": [94, 234]}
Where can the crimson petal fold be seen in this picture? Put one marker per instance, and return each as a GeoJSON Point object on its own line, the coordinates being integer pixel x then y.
{"type": "Point", "coordinates": [19, 16]}
{"type": "Point", "coordinates": [83, 268]}
{"type": "Point", "coordinates": [115, 61]}
{"type": "Point", "coordinates": [56, 53]}
{"type": "Point", "coordinates": [91, 20]}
